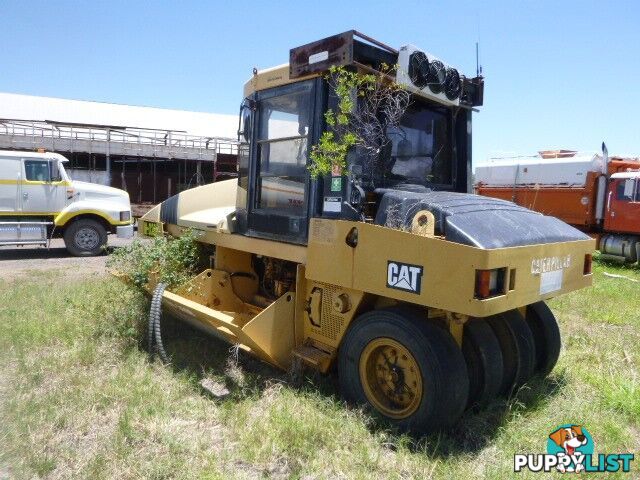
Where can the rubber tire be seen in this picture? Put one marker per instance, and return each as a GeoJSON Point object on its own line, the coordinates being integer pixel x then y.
{"type": "Point", "coordinates": [444, 372]}
{"type": "Point", "coordinates": [70, 233]}
{"type": "Point", "coordinates": [518, 349]}
{"type": "Point", "coordinates": [483, 356]}
{"type": "Point", "coordinates": [546, 335]}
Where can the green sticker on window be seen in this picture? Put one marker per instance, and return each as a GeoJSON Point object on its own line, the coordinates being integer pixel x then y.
{"type": "Point", "coordinates": [336, 184]}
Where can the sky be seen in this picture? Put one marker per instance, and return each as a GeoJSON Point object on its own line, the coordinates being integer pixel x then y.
{"type": "Point", "coordinates": [558, 74]}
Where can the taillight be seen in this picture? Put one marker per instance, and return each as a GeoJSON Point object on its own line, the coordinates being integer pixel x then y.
{"type": "Point", "coordinates": [490, 283]}
{"type": "Point", "coordinates": [588, 263]}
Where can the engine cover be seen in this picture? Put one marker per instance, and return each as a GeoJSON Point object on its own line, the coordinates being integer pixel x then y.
{"type": "Point", "coordinates": [475, 220]}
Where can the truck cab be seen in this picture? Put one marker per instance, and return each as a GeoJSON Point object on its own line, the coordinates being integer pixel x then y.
{"type": "Point", "coordinates": [623, 203]}
{"type": "Point", "coordinates": [38, 201]}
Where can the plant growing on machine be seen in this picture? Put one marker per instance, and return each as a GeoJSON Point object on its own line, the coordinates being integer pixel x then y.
{"type": "Point", "coordinates": [173, 261]}
{"type": "Point", "coordinates": [368, 105]}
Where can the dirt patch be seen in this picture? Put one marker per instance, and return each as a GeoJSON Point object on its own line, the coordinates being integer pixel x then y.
{"type": "Point", "coordinates": [20, 262]}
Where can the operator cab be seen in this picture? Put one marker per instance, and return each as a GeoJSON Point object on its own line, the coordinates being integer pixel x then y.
{"type": "Point", "coordinates": [283, 116]}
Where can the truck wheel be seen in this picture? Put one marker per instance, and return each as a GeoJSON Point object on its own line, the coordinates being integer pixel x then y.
{"type": "Point", "coordinates": [483, 356]}
{"type": "Point", "coordinates": [407, 369]}
{"type": "Point", "coordinates": [518, 349]}
{"type": "Point", "coordinates": [546, 335]}
{"type": "Point", "coordinates": [85, 237]}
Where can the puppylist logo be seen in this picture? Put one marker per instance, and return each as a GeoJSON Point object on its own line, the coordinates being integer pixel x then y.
{"type": "Point", "coordinates": [570, 450]}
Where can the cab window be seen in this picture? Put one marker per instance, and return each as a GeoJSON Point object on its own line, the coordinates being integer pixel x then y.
{"type": "Point", "coordinates": [54, 171]}
{"type": "Point", "coordinates": [36, 170]}
{"type": "Point", "coordinates": [626, 190]}
{"type": "Point", "coordinates": [282, 150]}
{"type": "Point", "coordinates": [420, 150]}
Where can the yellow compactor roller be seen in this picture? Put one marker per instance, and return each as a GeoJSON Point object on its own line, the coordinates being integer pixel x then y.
{"type": "Point", "coordinates": [424, 298]}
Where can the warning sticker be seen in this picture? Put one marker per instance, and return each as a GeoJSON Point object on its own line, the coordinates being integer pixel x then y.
{"type": "Point", "coordinates": [332, 204]}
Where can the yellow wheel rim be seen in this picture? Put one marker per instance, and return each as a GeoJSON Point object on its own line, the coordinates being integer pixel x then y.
{"type": "Point", "coordinates": [391, 378]}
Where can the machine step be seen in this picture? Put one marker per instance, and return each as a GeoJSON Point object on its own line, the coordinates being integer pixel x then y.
{"type": "Point", "coordinates": [313, 356]}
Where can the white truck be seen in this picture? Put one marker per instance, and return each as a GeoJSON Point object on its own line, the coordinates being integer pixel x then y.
{"type": "Point", "coordinates": [38, 201]}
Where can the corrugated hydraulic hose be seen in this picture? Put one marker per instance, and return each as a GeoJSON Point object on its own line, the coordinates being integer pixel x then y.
{"type": "Point", "coordinates": [154, 332]}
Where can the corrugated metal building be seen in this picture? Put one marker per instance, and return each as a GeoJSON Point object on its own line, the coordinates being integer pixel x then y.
{"type": "Point", "coordinates": [150, 152]}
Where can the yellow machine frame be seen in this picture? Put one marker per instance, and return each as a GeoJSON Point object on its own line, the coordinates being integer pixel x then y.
{"type": "Point", "coordinates": [337, 282]}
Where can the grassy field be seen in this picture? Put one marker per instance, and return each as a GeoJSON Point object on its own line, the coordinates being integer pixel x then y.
{"type": "Point", "coordinates": [80, 399]}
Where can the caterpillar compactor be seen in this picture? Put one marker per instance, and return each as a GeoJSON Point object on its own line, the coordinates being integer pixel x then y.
{"type": "Point", "coordinates": [423, 298]}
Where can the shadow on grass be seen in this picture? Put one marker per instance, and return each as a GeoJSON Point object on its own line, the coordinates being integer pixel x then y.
{"type": "Point", "coordinates": [616, 265]}
{"type": "Point", "coordinates": [200, 355]}
{"type": "Point", "coordinates": [478, 427]}
{"type": "Point", "coordinates": [32, 253]}
{"type": "Point", "coordinates": [42, 253]}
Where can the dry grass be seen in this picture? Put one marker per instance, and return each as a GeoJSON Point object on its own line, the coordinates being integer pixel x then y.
{"type": "Point", "coordinates": [79, 398]}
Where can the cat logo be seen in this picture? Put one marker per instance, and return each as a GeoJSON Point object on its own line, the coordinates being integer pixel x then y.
{"type": "Point", "coordinates": [403, 276]}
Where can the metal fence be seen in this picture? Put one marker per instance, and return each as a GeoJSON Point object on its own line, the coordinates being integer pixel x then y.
{"type": "Point", "coordinates": [112, 140]}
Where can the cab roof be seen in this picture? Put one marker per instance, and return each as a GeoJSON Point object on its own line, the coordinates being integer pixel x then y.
{"type": "Point", "coordinates": [271, 77]}
{"type": "Point", "coordinates": [632, 174]}
{"type": "Point", "coordinates": [28, 154]}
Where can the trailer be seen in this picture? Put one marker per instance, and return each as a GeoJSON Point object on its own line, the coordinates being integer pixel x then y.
{"type": "Point", "coordinates": [593, 192]}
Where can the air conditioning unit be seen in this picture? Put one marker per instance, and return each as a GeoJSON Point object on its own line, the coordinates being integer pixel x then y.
{"type": "Point", "coordinates": [429, 76]}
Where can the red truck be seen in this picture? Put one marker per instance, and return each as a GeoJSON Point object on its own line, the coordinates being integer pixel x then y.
{"type": "Point", "coordinates": [595, 193]}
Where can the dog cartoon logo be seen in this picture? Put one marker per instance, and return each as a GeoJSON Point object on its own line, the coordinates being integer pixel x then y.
{"type": "Point", "coordinates": [573, 441]}
{"type": "Point", "coordinates": [570, 448]}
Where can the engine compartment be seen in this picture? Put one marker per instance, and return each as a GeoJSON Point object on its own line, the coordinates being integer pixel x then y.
{"type": "Point", "coordinates": [473, 219]}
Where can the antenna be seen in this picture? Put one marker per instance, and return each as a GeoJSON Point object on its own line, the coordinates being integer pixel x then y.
{"type": "Point", "coordinates": [478, 66]}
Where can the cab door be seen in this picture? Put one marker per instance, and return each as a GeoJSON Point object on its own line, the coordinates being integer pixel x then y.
{"type": "Point", "coordinates": [623, 212]}
{"type": "Point", "coordinates": [278, 178]}
{"type": "Point", "coordinates": [43, 187]}
{"type": "Point", "coordinates": [10, 188]}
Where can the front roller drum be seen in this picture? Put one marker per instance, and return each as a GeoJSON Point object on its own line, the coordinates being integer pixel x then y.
{"type": "Point", "coordinates": [408, 370]}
